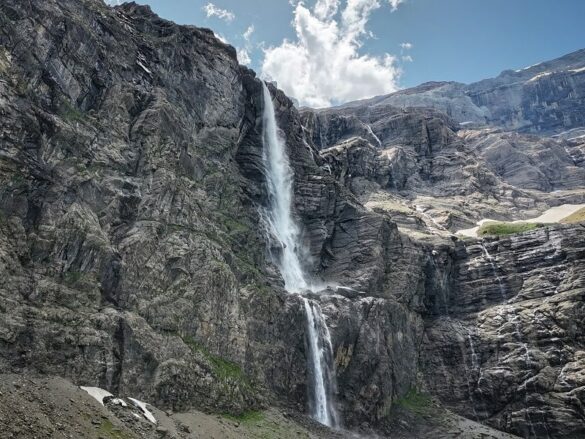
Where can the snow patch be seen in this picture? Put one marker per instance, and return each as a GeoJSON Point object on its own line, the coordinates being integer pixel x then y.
{"type": "Point", "coordinates": [540, 75]}
{"type": "Point", "coordinates": [97, 393]}
{"type": "Point", "coordinates": [142, 406]}
{"type": "Point", "coordinates": [529, 67]}
{"type": "Point", "coordinates": [582, 69]}
{"type": "Point", "coordinates": [119, 401]}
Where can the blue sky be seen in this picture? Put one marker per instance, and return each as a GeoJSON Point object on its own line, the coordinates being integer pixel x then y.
{"type": "Point", "coordinates": [339, 52]}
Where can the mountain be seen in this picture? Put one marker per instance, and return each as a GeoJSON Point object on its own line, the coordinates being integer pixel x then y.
{"type": "Point", "coordinates": [545, 98]}
{"type": "Point", "coordinates": [136, 254]}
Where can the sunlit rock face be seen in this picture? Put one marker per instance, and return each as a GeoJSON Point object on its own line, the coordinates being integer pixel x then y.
{"type": "Point", "coordinates": [505, 348]}
{"type": "Point", "coordinates": [500, 318]}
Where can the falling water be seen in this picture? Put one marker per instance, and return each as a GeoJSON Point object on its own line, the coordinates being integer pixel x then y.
{"type": "Point", "coordinates": [320, 349]}
{"type": "Point", "coordinates": [492, 263]}
{"type": "Point", "coordinates": [283, 227]}
{"type": "Point", "coordinates": [279, 215]}
{"type": "Point", "coordinates": [514, 320]}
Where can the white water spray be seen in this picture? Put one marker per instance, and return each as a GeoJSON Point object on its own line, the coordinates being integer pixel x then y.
{"type": "Point", "coordinates": [279, 216]}
{"type": "Point", "coordinates": [320, 350]}
{"type": "Point", "coordinates": [283, 227]}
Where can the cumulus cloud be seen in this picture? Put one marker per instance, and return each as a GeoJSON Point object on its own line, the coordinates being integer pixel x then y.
{"type": "Point", "coordinates": [244, 52]}
{"type": "Point", "coordinates": [324, 65]}
{"type": "Point", "coordinates": [223, 14]}
{"type": "Point", "coordinates": [406, 46]}
{"type": "Point", "coordinates": [407, 58]}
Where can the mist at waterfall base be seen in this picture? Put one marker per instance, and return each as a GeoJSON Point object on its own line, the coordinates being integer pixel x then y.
{"type": "Point", "coordinates": [282, 227]}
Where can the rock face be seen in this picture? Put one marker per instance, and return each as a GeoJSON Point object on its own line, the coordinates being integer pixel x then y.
{"type": "Point", "coordinates": [501, 339]}
{"type": "Point", "coordinates": [506, 346]}
{"type": "Point", "coordinates": [401, 161]}
{"type": "Point", "coordinates": [118, 231]}
{"type": "Point", "coordinates": [130, 253]}
{"type": "Point", "coordinates": [133, 256]}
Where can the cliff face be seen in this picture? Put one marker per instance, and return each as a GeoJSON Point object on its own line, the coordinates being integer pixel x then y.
{"type": "Point", "coordinates": [418, 162]}
{"type": "Point", "coordinates": [505, 346]}
{"type": "Point", "coordinates": [133, 256]}
{"type": "Point", "coordinates": [119, 201]}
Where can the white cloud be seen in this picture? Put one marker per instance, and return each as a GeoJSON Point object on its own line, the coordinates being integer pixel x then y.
{"type": "Point", "coordinates": [223, 14]}
{"type": "Point", "coordinates": [244, 52]}
{"type": "Point", "coordinates": [114, 2]}
{"type": "Point", "coordinates": [325, 9]}
{"type": "Point", "coordinates": [407, 58]}
{"type": "Point", "coordinates": [406, 46]}
{"type": "Point", "coordinates": [248, 33]}
{"type": "Point", "coordinates": [244, 57]}
{"type": "Point", "coordinates": [395, 3]}
{"type": "Point", "coordinates": [324, 65]}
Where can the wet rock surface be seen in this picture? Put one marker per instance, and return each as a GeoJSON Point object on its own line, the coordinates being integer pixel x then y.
{"type": "Point", "coordinates": [506, 348]}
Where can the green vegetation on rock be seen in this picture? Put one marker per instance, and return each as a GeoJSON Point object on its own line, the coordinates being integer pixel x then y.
{"type": "Point", "coordinates": [249, 417]}
{"type": "Point", "coordinates": [494, 228]}
{"type": "Point", "coordinates": [415, 402]}
{"type": "Point", "coordinates": [108, 430]}
{"type": "Point", "coordinates": [223, 369]}
{"type": "Point", "coordinates": [69, 112]}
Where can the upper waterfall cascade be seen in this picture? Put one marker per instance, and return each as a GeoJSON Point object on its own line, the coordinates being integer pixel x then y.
{"type": "Point", "coordinates": [283, 227]}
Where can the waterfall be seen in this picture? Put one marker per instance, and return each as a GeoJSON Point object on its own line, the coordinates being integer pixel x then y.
{"type": "Point", "coordinates": [320, 355]}
{"type": "Point", "coordinates": [492, 263]}
{"type": "Point", "coordinates": [509, 311]}
{"type": "Point", "coordinates": [279, 215]}
{"type": "Point", "coordinates": [282, 226]}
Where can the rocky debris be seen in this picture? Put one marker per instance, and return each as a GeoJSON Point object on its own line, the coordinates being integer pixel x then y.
{"type": "Point", "coordinates": [49, 407]}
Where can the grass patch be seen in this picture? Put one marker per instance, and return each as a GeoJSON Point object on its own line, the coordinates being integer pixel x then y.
{"type": "Point", "coordinates": [575, 217]}
{"type": "Point", "coordinates": [249, 417]}
{"type": "Point", "coordinates": [108, 430]}
{"type": "Point", "coordinates": [69, 112]}
{"type": "Point", "coordinates": [77, 278]}
{"type": "Point", "coordinates": [223, 369]}
{"type": "Point", "coordinates": [415, 402]}
{"type": "Point", "coordinates": [494, 228]}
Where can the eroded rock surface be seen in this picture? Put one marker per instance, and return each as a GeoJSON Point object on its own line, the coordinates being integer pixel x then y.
{"type": "Point", "coordinates": [133, 255]}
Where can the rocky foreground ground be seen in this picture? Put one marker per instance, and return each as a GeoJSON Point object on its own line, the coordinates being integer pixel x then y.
{"type": "Point", "coordinates": [52, 407]}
